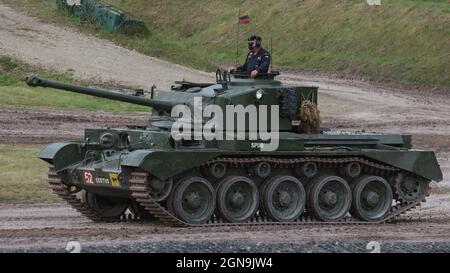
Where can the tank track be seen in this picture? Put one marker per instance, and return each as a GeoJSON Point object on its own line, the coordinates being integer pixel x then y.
{"type": "Point", "coordinates": [140, 193]}
{"type": "Point", "coordinates": [64, 193]}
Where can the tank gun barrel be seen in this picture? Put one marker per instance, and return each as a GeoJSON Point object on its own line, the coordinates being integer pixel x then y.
{"type": "Point", "coordinates": [36, 81]}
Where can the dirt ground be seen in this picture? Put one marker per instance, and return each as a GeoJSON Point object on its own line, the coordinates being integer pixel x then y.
{"type": "Point", "coordinates": [52, 227]}
{"type": "Point", "coordinates": [45, 125]}
{"type": "Point", "coordinates": [344, 104]}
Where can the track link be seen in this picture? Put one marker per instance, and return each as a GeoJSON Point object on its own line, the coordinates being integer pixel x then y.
{"type": "Point", "coordinates": [63, 192]}
{"type": "Point", "coordinates": [140, 193]}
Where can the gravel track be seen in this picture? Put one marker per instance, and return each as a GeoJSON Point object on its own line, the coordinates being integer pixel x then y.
{"type": "Point", "coordinates": [38, 42]}
{"type": "Point", "coordinates": [43, 228]}
{"type": "Point", "coordinates": [251, 246]}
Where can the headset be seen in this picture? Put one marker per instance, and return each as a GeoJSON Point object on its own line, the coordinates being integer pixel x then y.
{"type": "Point", "coordinates": [257, 39]}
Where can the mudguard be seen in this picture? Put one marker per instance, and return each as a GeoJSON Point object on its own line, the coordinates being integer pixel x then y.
{"type": "Point", "coordinates": [423, 163]}
{"type": "Point", "coordinates": [165, 164]}
{"type": "Point", "coordinates": [62, 154]}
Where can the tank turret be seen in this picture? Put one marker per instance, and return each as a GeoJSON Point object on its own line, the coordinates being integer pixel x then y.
{"type": "Point", "coordinates": [297, 104]}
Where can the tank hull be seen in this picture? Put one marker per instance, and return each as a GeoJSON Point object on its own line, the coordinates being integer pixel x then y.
{"type": "Point", "coordinates": [164, 161]}
{"type": "Point", "coordinates": [144, 175]}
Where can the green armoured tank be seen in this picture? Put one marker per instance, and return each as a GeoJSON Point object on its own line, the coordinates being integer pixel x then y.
{"type": "Point", "coordinates": [312, 174]}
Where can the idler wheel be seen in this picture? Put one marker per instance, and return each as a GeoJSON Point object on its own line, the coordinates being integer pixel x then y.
{"type": "Point", "coordinates": [372, 198]}
{"type": "Point", "coordinates": [193, 200]}
{"type": "Point", "coordinates": [284, 198]}
{"type": "Point", "coordinates": [106, 207]}
{"type": "Point", "coordinates": [237, 198]}
{"type": "Point", "coordinates": [329, 199]}
{"type": "Point", "coordinates": [159, 189]}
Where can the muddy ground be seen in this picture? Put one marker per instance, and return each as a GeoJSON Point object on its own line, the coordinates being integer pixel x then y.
{"type": "Point", "coordinates": [344, 104]}
{"type": "Point", "coordinates": [50, 228]}
{"type": "Point", "coordinates": [45, 125]}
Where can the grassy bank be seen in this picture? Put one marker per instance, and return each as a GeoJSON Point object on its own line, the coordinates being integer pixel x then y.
{"type": "Point", "coordinates": [23, 176]}
{"type": "Point", "coordinates": [402, 40]}
{"type": "Point", "coordinates": [14, 92]}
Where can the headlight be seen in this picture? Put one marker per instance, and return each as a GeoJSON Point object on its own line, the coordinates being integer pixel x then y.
{"type": "Point", "coordinates": [259, 94]}
{"type": "Point", "coordinates": [107, 140]}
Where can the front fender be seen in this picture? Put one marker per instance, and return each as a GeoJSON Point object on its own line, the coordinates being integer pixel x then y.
{"type": "Point", "coordinates": [62, 154]}
{"type": "Point", "coordinates": [165, 164]}
{"type": "Point", "coordinates": [423, 163]}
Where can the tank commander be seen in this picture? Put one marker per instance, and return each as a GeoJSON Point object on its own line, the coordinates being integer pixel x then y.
{"type": "Point", "coordinates": [257, 61]}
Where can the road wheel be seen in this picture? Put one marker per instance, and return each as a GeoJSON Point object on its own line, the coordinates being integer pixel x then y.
{"type": "Point", "coordinates": [330, 198]}
{"type": "Point", "coordinates": [193, 200]}
{"type": "Point", "coordinates": [372, 198]}
{"type": "Point", "coordinates": [284, 198]}
{"type": "Point", "coordinates": [237, 199]}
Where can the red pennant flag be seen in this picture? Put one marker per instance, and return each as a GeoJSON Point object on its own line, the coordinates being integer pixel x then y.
{"type": "Point", "coordinates": [244, 19]}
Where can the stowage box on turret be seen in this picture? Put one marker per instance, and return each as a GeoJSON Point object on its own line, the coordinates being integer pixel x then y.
{"type": "Point", "coordinates": [296, 172]}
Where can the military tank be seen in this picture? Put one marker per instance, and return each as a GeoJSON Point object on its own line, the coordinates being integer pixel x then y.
{"type": "Point", "coordinates": [315, 174]}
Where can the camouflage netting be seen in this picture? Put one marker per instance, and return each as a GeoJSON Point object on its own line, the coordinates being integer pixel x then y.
{"type": "Point", "coordinates": [310, 117]}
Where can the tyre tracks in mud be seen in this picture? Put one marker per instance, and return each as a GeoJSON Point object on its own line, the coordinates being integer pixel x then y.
{"type": "Point", "coordinates": [51, 226]}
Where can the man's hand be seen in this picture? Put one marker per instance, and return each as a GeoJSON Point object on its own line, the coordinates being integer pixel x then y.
{"type": "Point", "coordinates": [232, 69]}
{"type": "Point", "coordinates": [254, 73]}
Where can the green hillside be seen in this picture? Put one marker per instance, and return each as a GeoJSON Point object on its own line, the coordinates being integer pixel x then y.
{"type": "Point", "coordinates": [401, 40]}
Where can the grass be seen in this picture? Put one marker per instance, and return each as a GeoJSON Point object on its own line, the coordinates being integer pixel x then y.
{"type": "Point", "coordinates": [14, 92]}
{"type": "Point", "coordinates": [401, 40]}
{"type": "Point", "coordinates": [23, 176]}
